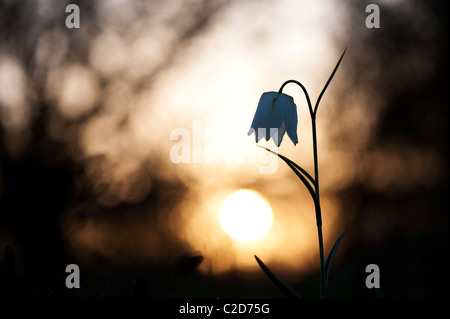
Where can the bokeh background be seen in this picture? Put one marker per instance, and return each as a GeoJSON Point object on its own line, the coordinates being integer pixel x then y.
{"type": "Point", "coordinates": [86, 117]}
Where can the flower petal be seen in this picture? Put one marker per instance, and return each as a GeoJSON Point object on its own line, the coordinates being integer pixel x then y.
{"type": "Point", "coordinates": [291, 124]}
{"type": "Point", "coordinates": [275, 115]}
{"type": "Point", "coordinates": [276, 121]}
{"type": "Point", "coordinates": [290, 117]}
{"type": "Point", "coordinates": [262, 118]}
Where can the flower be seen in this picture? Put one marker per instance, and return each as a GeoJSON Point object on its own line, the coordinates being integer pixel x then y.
{"type": "Point", "coordinates": [275, 115]}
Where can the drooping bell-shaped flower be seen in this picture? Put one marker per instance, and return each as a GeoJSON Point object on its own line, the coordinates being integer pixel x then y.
{"type": "Point", "coordinates": [275, 115]}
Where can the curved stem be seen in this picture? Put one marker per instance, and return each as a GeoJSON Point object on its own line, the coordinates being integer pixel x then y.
{"type": "Point", "coordinates": [304, 91]}
{"type": "Point", "coordinates": [316, 175]}
{"type": "Point", "coordinates": [315, 193]}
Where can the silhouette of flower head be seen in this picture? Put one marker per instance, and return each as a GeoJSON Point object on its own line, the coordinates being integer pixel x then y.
{"type": "Point", "coordinates": [275, 115]}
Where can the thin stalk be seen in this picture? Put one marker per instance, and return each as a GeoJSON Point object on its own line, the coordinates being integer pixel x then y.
{"type": "Point", "coordinates": [322, 264]}
{"type": "Point", "coordinates": [318, 212]}
{"type": "Point", "coordinates": [313, 113]}
{"type": "Point", "coordinates": [304, 91]}
{"type": "Point", "coordinates": [316, 160]}
{"type": "Point", "coordinates": [316, 178]}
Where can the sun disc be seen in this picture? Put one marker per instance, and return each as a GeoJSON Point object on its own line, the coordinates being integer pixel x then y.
{"type": "Point", "coordinates": [246, 216]}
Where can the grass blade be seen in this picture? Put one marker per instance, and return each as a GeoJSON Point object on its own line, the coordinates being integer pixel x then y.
{"type": "Point", "coordinates": [330, 258]}
{"type": "Point", "coordinates": [281, 285]}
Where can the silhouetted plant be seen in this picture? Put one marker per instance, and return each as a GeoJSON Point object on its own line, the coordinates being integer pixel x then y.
{"type": "Point", "coordinates": [275, 115]}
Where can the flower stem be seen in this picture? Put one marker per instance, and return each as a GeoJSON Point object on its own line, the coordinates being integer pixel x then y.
{"type": "Point", "coordinates": [316, 179]}
{"type": "Point", "coordinates": [322, 264]}
{"type": "Point", "coordinates": [304, 91]}
{"type": "Point", "coordinates": [316, 162]}
{"type": "Point", "coordinates": [318, 210]}
{"type": "Point", "coordinates": [315, 194]}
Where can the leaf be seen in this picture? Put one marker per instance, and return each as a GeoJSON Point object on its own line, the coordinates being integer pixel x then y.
{"type": "Point", "coordinates": [328, 82]}
{"type": "Point", "coordinates": [284, 158]}
{"type": "Point", "coordinates": [330, 258]}
{"type": "Point", "coordinates": [298, 171]}
{"type": "Point", "coordinates": [281, 285]}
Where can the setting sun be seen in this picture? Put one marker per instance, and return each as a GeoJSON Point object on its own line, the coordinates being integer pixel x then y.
{"type": "Point", "coordinates": [245, 216]}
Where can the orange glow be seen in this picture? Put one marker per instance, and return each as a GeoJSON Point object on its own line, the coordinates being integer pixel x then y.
{"type": "Point", "coordinates": [246, 216]}
{"type": "Point", "coordinates": [152, 82]}
{"type": "Point", "coordinates": [290, 243]}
